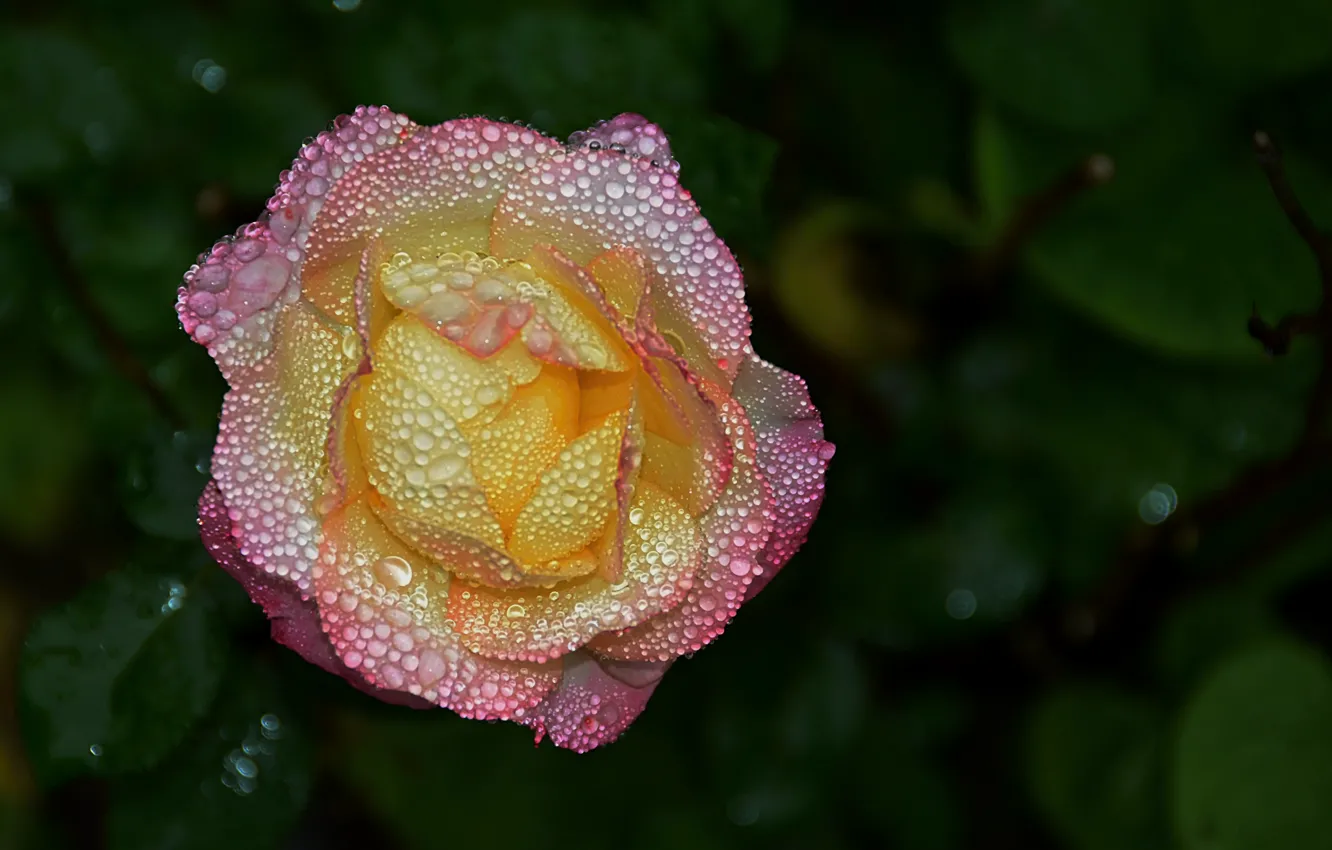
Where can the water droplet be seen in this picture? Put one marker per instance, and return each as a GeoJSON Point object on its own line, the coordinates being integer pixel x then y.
{"type": "Point", "coordinates": [516, 611]}
{"type": "Point", "coordinates": [960, 604]}
{"type": "Point", "coordinates": [1157, 504]}
{"type": "Point", "coordinates": [96, 750]}
{"type": "Point", "coordinates": [210, 75]}
{"type": "Point", "coordinates": [394, 571]}
{"type": "Point", "coordinates": [346, 5]}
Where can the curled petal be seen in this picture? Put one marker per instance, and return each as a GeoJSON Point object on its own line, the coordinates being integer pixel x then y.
{"type": "Point", "coordinates": [382, 606]}
{"type": "Point", "coordinates": [631, 134]}
{"type": "Point", "coordinates": [231, 296]}
{"type": "Point", "coordinates": [735, 534]}
{"type": "Point", "coordinates": [586, 202]}
{"type": "Point", "coordinates": [596, 700]}
{"type": "Point", "coordinates": [295, 620]}
{"type": "Point", "coordinates": [792, 457]}
{"type": "Point", "coordinates": [432, 194]}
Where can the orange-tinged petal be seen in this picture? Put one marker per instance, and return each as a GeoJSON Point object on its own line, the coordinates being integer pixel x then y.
{"type": "Point", "coordinates": [383, 607]}
{"type": "Point", "coordinates": [687, 451]}
{"type": "Point", "coordinates": [575, 496]}
{"type": "Point", "coordinates": [603, 393]}
{"type": "Point", "coordinates": [433, 193]}
{"type": "Point", "coordinates": [661, 550]}
{"type": "Point", "coordinates": [622, 276]}
{"type": "Point", "coordinates": [568, 306]}
{"type": "Point", "coordinates": [270, 458]}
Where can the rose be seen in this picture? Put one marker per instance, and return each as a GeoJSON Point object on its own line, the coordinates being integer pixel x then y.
{"type": "Point", "coordinates": [496, 439]}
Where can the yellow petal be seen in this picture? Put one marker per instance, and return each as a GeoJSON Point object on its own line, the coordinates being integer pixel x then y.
{"type": "Point", "coordinates": [575, 497]}
{"type": "Point", "coordinates": [510, 453]}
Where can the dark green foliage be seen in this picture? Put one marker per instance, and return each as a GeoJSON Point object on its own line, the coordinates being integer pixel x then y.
{"type": "Point", "coordinates": [1069, 584]}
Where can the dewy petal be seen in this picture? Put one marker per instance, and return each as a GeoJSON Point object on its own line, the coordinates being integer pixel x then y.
{"type": "Point", "coordinates": [597, 699]}
{"type": "Point", "coordinates": [575, 497]}
{"type": "Point", "coordinates": [295, 620]}
{"type": "Point", "coordinates": [231, 296]}
{"type": "Point", "coordinates": [660, 555]}
{"type": "Point", "coordinates": [735, 533]}
{"type": "Point", "coordinates": [631, 134]}
{"type": "Point", "coordinates": [792, 457]}
{"type": "Point", "coordinates": [433, 194]}
{"type": "Point", "coordinates": [270, 457]}
{"type": "Point", "coordinates": [383, 608]}
{"type": "Point", "coordinates": [585, 202]}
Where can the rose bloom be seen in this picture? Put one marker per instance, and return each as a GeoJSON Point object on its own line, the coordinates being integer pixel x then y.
{"type": "Point", "coordinates": [496, 439]}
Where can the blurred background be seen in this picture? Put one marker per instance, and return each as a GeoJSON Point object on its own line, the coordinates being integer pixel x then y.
{"type": "Point", "coordinates": [1070, 584]}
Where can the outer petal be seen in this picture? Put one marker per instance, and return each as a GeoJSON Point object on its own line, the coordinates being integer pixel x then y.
{"type": "Point", "coordinates": [792, 456]}
{"type": "Point", "coordinates": [434, 193]}
{"type": "Point", "coordinates": [735, 534]}
{"type": "Point", "coordinates": [295, 620]}
{"type": "Point", "coordinates": [383, 608]}
{"type": "Point", "coordinates": [596, 700]}
{"type": "Point", "coordinates": [585, 202]}
{"type": "Point", "coordinates": [270, 458]}
{"type": "Point", "coordinates": [631, 134]}
{"type": "Point", "coordinates": [231, 296]}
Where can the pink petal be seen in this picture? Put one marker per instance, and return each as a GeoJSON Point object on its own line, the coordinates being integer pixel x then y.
{"type": "Point", "coordinates": [792, 456]}
{"type": "Point", "coordinates": [596, 700]}
{"type": "Point", "coordinates": [295, 620]}
{"type": "Point", "coordinates": [231, 296]}
{"type": "Point", "coordinates": [586, 202]}
{"type": "Point", "coordinates": [629, 133]}
{"type": "Point", "coordinates": [736, 531]}
{"type": "Point", "coordinates": [434, 193]}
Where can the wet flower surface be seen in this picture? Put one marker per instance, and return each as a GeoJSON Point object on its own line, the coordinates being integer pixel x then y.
{"type": "Point", "coordinates": [496, 439]}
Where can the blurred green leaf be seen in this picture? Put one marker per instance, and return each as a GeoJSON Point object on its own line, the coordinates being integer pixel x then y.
{"type": "Point", "coordinates": [1207, 628]}
{"type": "Point", "coordinates": [165, 478]}
{"type": "Point", "coordinates": [1096, 768]}
{"type": "Point", "coordinates": [241, 781]}
{"type": "Point", "coordinates": [727, 168]}
{"type": "Point", "coordinates": [74, 107]}
{"type": "Point", "coordinates": [42, 449]}
{"type": "Point", "coordinates": [1253, 761]}
{"type": "Point", "coordinates": [1077, 65]}
{"type": "Point", "coordinates": [1253, 42]}
{"type": "Point", "coordinates": [399, 762]}
{"type": "Point", "coordinates": [1178, 256]}
{"type": "Point", "coordinates": [114, 679]}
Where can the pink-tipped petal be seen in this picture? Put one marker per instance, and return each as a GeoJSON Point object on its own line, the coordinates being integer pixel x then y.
{"type": "Point", "coordinates": [295, 620]}
{"type": "Point", "coordinates": [270, 457]}
{"type": "Point", "coordinates": [792, 457]}
{"type": "Point", "coordinates": [587, 202]}
{"type": "Point", "coordinates": [432, 194]}
{"type": "Point", "coordinates": [596, 700]}
{"type": "Point", "coordinates": [381, 605]}
{"type": "Point", "coordinates": [231, 296]}
{"type": "Point", "coordinates": [735, 532]}
{"type": "Point", "coordinates": [628, 133]}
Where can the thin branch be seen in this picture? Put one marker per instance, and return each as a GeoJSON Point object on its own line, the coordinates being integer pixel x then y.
{"type": "Point", "coordinates": [116, 348]}
{"type": "Point", "coordinates": [1273, 166]}
{"type": "Point", "coordinates": [1037, 211]}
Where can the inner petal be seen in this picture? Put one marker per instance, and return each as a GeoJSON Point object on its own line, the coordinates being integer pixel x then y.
{"type": "Point", "coordinates": [509, 454]}
{"type": "Point", "coordinates": [575, 497]}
